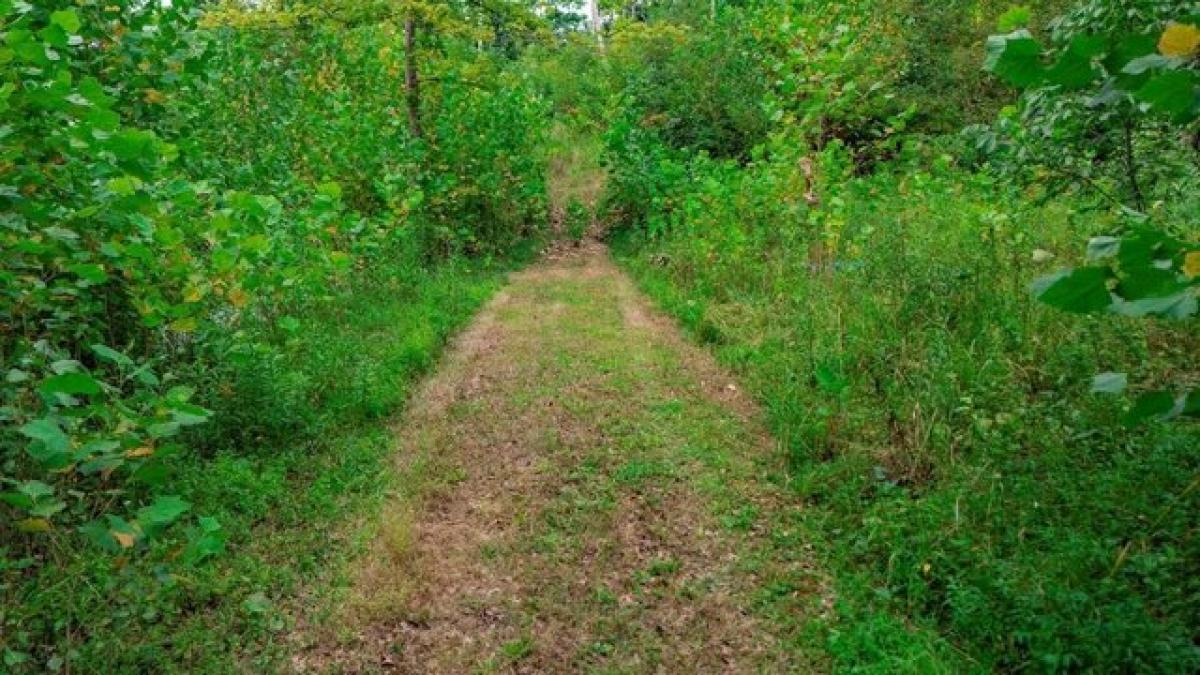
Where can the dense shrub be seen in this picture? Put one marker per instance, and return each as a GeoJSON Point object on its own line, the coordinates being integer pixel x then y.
{"type": "Point", "coordinates": [981, 506]}
{"type": "Point", "coordinates": [188, 198]}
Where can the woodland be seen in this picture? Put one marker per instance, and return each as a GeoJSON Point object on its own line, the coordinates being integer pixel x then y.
{"type": "Point", "coordinates": [892, 301]}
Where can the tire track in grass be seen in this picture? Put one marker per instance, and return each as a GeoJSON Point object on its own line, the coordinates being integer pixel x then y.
{"type": "Point", "coordinates": [579, 489]}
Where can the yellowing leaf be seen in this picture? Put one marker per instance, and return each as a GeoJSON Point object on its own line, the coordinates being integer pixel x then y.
{"type": "Point", "coordinates": [184, 325]}
{"type": "Point", "coordinates": [140, 451]}
{"type": "Point", "coordinates": [193, 294]}
{"type": "Point", "coordinates": [34, 525]}
{"type": "Point", "coordinates": [123, 538]}
{"type": "Point", "coordinates": [154, 96]}
{"type": "Point", "coordinates": [1179, 40]}
{"type": "Point", "coordinates": [1191, 264]}
{"type": "Point", "coordinates": [238, 298]}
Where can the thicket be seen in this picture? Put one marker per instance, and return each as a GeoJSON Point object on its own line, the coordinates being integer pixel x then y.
{"type": "Point", "coordinates": [228, 237]}
{"type": "Point", "coordinates": [990, 476]}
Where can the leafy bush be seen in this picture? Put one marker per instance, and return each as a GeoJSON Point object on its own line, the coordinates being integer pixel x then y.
{"type": "Point", "coordinates": [981, 505]}
{"type": "Point", "coordinates": [182, 192]}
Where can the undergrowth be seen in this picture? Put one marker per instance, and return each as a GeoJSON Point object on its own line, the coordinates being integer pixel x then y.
{"type": "Point", "coordinates": [978, 508]}
{"type": "Point", "coordinates": [308, 422]}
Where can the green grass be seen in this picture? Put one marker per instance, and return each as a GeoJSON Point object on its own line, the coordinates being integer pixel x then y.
{"type": "Point", "coordinates": [977, 507]}
{"type": "Point", "coordinates": [297, 452]}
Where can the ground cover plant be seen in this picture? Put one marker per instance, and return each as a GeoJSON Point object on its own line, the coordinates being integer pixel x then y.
{"type": "Point", "coordinates": [945, 255]}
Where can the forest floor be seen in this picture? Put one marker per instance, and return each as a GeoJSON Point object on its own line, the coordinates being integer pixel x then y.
{"type": "Point", "coordinates": [579, 489]}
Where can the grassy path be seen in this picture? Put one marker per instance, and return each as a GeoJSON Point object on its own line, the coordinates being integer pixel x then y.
{"type": "Point", "coordinates": [579, 490]}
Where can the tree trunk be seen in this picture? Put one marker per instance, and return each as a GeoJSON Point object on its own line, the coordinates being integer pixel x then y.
{"type": "Point", "coordinates": [593, 12]}
{"type": "Point", "coordinates": [412, 83]}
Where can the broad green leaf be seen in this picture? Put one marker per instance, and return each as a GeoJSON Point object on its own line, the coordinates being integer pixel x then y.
{"type": "Point", "coordinates": [1014, 18]}
{"type": "Point", "coordinates": [1150, 282]}
{"type": "Point", "coordinates": [164, 511]}
{"type": "Point", "coordinates": [330, 189]}
{"type": "Point", "coordinates": [67, 20]}
{"type": "Point", "coordinates": [207, 541]}
{"type": "Point", "coordinates": [101, 464]}
{"type": "Point", "coordinates": [50, 444]}
{"type": "Point", "coordinates": [1075, 68]}
{"type": "Point", "coordinates": [92, 274]}
{"type": "Point", "coordinates": [163, 429]}
{"type": "Point", "coordinates": [1172, 93]}
{"type": "Point", "coordinates": [111, 355]}
{"type": "Point", "coordinates": [1081, 290]}
{"type": "Point", "coordinates": [47, 508]}
{"type": "Point", "coordinates": [1182, 305]}
{"type": "Point", "coordinates": [71, 383]}
{"type": "Point", "coordinates": [35, 490]}
{"type": "Point", "coordinates": [1154, 404]}
{"type": "Point", "coordinates": [1015, 58]}
{"type": "Point", "coordinates": [1191, 404]}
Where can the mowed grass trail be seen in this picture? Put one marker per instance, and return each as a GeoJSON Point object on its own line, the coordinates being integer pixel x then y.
{"type": "Point", "coordinates": [578, 489]}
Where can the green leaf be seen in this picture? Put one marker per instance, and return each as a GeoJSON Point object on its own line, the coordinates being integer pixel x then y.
{"type": "Point", "coordinates": [1075, 69]}
{"type": "Point", "coordinates": [1014, 18]}
{"type": "Point", "coordinates": [47, 508]}
{"type": "Point", "coordinates": [331, 190]}
{"type": "Point", "coordinates": [1172, 93]}
{"type": "Point", "coordinates": [163, 429]}
{"type": "Point", "coordinates": [1081, 290]}
{"type": "Point", "coordinates": [1154, 404]}
{"type": "Point", "coordinates": [67, 20]}
{"type": "Point", "coordinates": [1103, 247]}
{"type": "Point", "coordinates": [1109, 383]}
{"type": "Point", "coordinates": [92, 274]}
{"type": "Point", "coordinates": [99, 464]}
{"type": "Point", "coordinates": [164, 511]}
{"type": "Point", "coordinates": [35, 490]}
{"type": "Point", "coordinates": [207, 541]}
{"type": "Point", "coordinates": [1182, 305]}
{"type": "Point", "coordinates": [1144, 64]}
{"type": "Point", "coordinates": [111, 355]}
{"type": "Point", "coordinates": [1191, 404]}
{"type": "Point", "coordinates": [1150, 282]}
{"type": "Point", "coordinates": [50, 444]}
{"type": "Point", "coordinates": [1015, 58]}
{"type": "Point", "coordinates": [72, 384]}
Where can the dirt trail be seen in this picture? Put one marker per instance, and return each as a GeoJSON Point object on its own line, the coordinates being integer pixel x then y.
{"type": "Point", "coordinates": [580, 490]}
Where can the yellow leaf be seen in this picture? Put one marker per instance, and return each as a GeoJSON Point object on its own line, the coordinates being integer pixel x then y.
{"type": "Point", "coordinates": [123, 538]}
{"type": "Point", "coordinates": [184, 325]}
{"type": "Point", "coordinates": [193, 294]}
{"type": "Point", "coordinates": [1179, 40]}
{"type": "Point", "coordinates": [1191, 264]}
{"type": "Point", "coordinates": [140, 451]}
{"type": "Point", "coordinates": [154, 96]}
{"type": "Point", "coordinates": [34, 525]}
{"type": "Point", "coordinates": [238, 298]}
